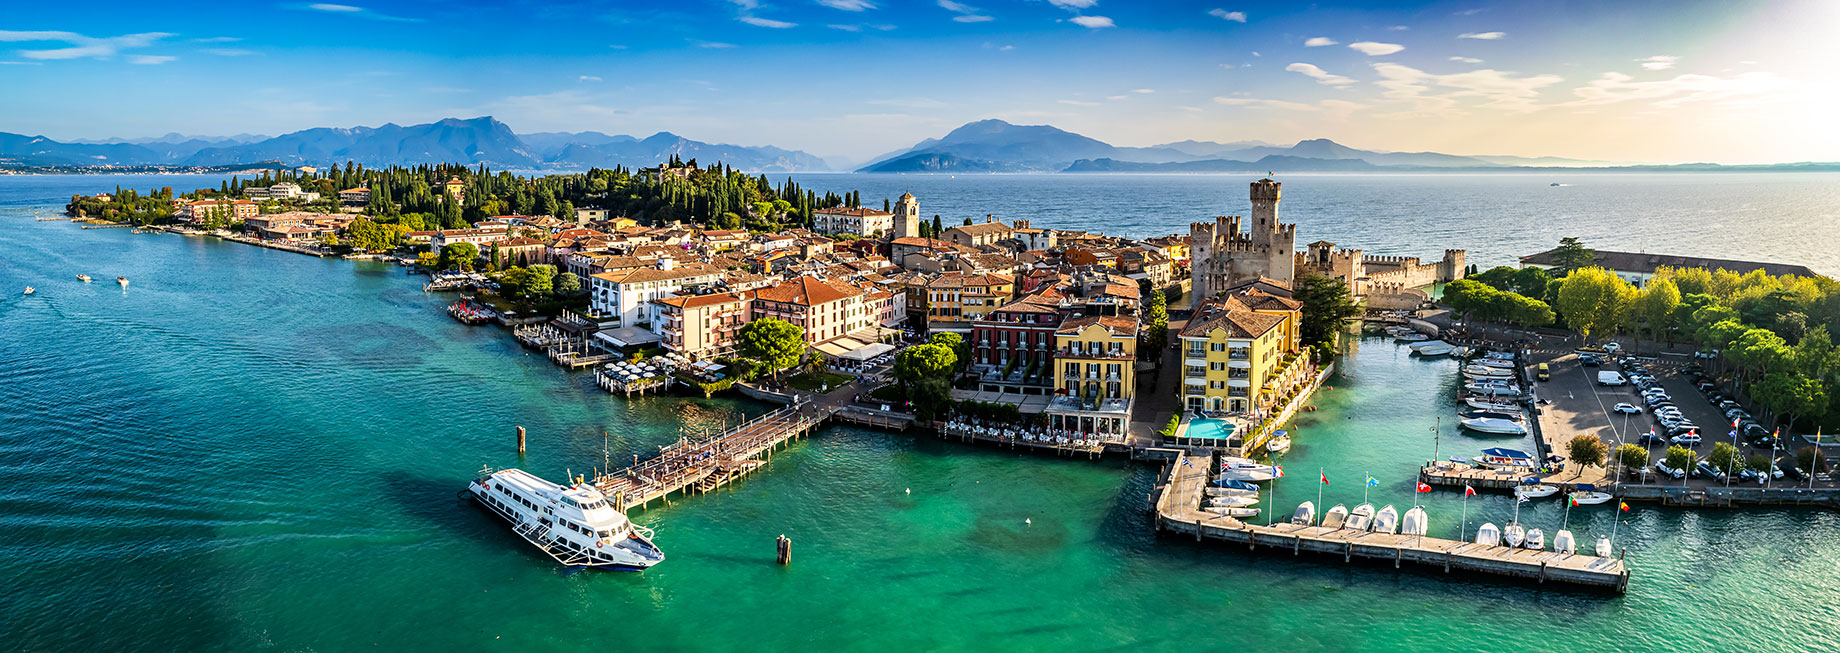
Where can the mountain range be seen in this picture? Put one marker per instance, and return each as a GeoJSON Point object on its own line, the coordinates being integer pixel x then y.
{"type": "Point", "coordinates": [482, 140]}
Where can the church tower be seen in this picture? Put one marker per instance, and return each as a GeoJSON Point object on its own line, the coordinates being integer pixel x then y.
{"type": "Point", "coordinates": [906, 217]}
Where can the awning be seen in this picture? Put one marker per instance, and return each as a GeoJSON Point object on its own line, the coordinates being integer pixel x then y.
{"type": "Point", "coordinates": [627, 336]}
{"type": "Point", "coordinates": [868, 352]}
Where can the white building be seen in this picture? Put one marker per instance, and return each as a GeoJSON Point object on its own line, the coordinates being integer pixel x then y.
{"type": "Point", "coordinates": [625, 297]}
{"type": "Point", "coordinates": [852, 220]}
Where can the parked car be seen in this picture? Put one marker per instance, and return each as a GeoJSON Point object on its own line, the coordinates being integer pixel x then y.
{"type": "Point", "coordinates": [1686, 439]}
{"type": "Point", "coordinates": [1590, 361]}
{"type": "Point", "coordinates": [1707, 469]}
{"type": "Point", "coordinates": [1683, 428]}
{"type": "Point", "coordinates": [1663, 468]}
{"type": "Point", "coordinates": [1753, 431]}
{"type": "Point", "coordinates": [1788, 469]}
{"type": "Point", "coordinates": [1650, 438]}
{"type": "Point", "coordinates": [1626, 408]}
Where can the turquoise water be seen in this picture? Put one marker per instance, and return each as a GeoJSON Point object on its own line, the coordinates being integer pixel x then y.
{"type": "Point", "coordinates": [256, 449]}
{"type": "Point", "coordinates": [1213, 429]}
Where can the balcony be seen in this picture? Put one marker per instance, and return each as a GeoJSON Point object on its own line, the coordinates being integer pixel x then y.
{"type": "Point", "coordinates": [1093, 354]}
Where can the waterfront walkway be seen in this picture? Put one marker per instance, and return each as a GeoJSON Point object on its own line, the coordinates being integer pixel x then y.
{"type": "Point", "coordinates": [709, 463]}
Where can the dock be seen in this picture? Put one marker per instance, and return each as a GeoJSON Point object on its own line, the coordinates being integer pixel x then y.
{"type": "Point", "coordinates": [1178, 513]}
{"type": "Point", "coordinates": [1058, 443]}
{"type": "Point", "coordinates": [710, 463]}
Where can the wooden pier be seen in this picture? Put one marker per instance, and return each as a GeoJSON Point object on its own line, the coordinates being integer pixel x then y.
{"type": "Point", "coordinates": [708, 464]}
{"type": "Point", "coordinates": [1060, 445]}
{"type": "Point", "coordinates": [1457, 475]}
{"type": "Point", "coordinates": [1177, 512]}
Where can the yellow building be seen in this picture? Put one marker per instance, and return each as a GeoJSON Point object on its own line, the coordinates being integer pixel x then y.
{"type": "Point", "coordinates": [1240, 352]}
{"type": "Point", "coordinates": [955, 299]}
{"type": "Point", "coordinates": [1095, 377]}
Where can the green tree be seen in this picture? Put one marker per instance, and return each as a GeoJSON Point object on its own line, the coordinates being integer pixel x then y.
{"type": "Point", "coordinates": [567, 284]}
{"type": "Point", "coordinates": [1679, 457]}
{"type": "Point", "coordinates": [775, 343]}
{"type": "Point", "coordinates": [954, 342]}
{"type": "Point", "coordinates": [1811, 459]}
{"type": "Point", "coordinates": [1656, 306]}
{"type": "Point", "coordinates": [924, 370]}
{"type": "Point", "coordinates": [1531, 282]}
{"type": "Point", "coordinates": [1632, 456]}
{"type": "Point", "coordinates": [1571, 255]}
{"type": "Point", "coordinates": [1791, 396]}
{"type": "Point", "coordinates": [1759, 462]}
{"type": "Point", "coordinates": [1327, 307]}
{"type": "Point", "coordinates": [1726, 458]}
{"type": "Point", "coordinates": [1155, 331]}
{"type": "Point", "coordinates": [458, 256]}
{"type": "Point", "coordinates": [1587, 450]}
{"type": "Point", "coordinates": [540, 282]}
{"type": "Point", "coordinates": [1594, 301]}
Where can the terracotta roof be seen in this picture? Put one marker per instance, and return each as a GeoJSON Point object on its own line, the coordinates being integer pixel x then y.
{"type": "Point", "coordinates": [983, 229]}
{"type": "Point", "coordinates": [642, 275]}
{"type": "Point", "coordinates": [808, 291]}
{"type": "Point", "coordinates": [1255, 300]}
{"type": "Point", "coordinates": [1119, 326]}
{"type": "Point", "coordinates": [1236, 322]}
{"type": "Point", "coordinates": [695, 301]}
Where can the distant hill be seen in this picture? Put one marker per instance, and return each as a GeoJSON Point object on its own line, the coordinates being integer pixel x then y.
{"type": "Point", "coordinates": [482, 140]}
{"type": "Point", "coordinates": [998, 146]}
{"type": "Point", "coordinates": [1278, 163]}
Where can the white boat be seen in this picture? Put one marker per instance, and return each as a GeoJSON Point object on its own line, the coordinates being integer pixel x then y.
{"type": "Point", "coordinates": [1234, 512]}
{"type": "Point", "coordinates": [1485, 404]}
{"type": "Point", "coordinates": [1279, 444]}
{"type": "Point", "coordinates": [1248, 475]}
{"type": "Point", "coordinates": [1536, 539]}
{"type": "Point", "coordinates": [1412, 337]}
{"type": "Point", "coordinates": [1387, 520]}
{"type": "Point", "coordinates": [1535, 490]}
{"type": "Point", "coordinates": [1488, 535]}
{"type": "Point", "coordinates": [83, 278]}
{"type": "Point", "coordinates": [1336, 517]}
{"type": "Point", "coordinates": [1427, 344]}
{"type": "Point", "coordinates": [1361, 518]}
{"type": "Point", "coordinates": [1231, 492]}
{"type": "Point", "coordinates": [1563, 543]}
{"type": "Point", "coordinates": [1494, 425]}
{"type": "Point", "coordinates": [1433, 352]}
{"type": "Point", "coordinates": [1492, 387]}
{"type": "Point", "coordinates": [1232, 502]}
{"type": "Point", "coordinates": [1513, 534]}
{"type": "Point", "coordinates": [1495, 363]}
{"type": "Point", "coordinates": [1415, 522]}
{"type": "Point", "coordinates": [1590, 498]}
{"type": "Point", "coordinates": [1462, 351]}
{"type": "Point", "coordinates": [1476, 371]}
{"type": "Point", "coordinates": [577, 526]}
{"type": "Point", "coordinates": [30, 290]}
{"type": "Point", "coordinates": [1603, 547]}
{"type": "Point", "coordinates": [1305, 515]}
{"type": "Point", "coordinates": [122, 280]}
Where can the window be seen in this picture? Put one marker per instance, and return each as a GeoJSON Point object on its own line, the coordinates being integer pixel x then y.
{"type": "Point", "coordinates": [1217, 346]}
{"type": "Point", "coordinates": [1217, 366]}
{"type": "Point", "coordinates": [1196, 372]}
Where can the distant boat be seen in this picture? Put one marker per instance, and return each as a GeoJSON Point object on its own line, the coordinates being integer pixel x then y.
{"type": "Point", "coordinates": [1427, 344]}
{"type": "Point", "coordinates": [1499, 457]}
{"type": "Point", "coordinates": [1603, 547]}
{"type": "Point", "coordinates": [1563, 543]}
{"type": "Point", "coordinates": [1484, 404]}
{"type": "Point", "coordinates": [1248, 475]}
{"type": "Point", "coordinates": [122, 280]}
{"type": "Point", "coordinates": [1362, 517]}
{"type": "Point", "coordinates": [1513, 534]}
{"type": "Point", "coordinates": [1434, 352]}
{"type": "Point", "coordinates": [1236, 484]}
{"type": "Point", "coordinates": [1494, 426]}
{"type": "Point", "coordinates": [1536, 539]}
{"type": "Point", "coordinates": [1557, 184]}
{"type": "Point", "coordinates": [1305, 515]}
{"type": "Point", "coordinates": [1387, 520]}
{"type": "Point", "coordinates": [1336, 517]}
{"type": "Point", "coordinates": [1415, 522]}
{"type": "Point", "coordinates": [1411, 337]}
{"type": "Point", "coordinates": [1488, 535]}
{"type": "Point", "coordinates": [83, 278]}
{"type": "Point", "coordinates": [29, 290]}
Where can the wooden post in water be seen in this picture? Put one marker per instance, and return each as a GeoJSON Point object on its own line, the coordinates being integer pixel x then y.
{"type": "Point", "coordinates": [520, 432]}
{"type": "Point", "coordinates": [784, 546]}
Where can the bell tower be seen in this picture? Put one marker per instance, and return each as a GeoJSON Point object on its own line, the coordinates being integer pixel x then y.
{"type": "Point", "coordinates": [906, 217]}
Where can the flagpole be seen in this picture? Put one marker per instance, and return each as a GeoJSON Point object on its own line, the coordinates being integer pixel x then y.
{"type": "Point", "coordinates": [1273, 502]}
{"type": "Point", "coordinates": [1463, 529]}
{"type": "Point", "coordinates": [1322, 478]}
{"type": "Point", "coordinates": [1364, 484]}
{"type": "Point", "coordinates": [1616, 516]}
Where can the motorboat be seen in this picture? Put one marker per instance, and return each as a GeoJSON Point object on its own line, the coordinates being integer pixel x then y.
{"type": "Point", "coordinates": [1230, 492]}
{"type": "Point", "coordinates": [1499, 355]}
{"type": "Point", "coordinates": [1536, 539]}
{"type": "Point", "coordinates": [122, 280]}
{"type": "Point", "coordinates": [1563, 543]}
{"type": "Point", "coordinates": [1462, 351]}
{"type": "Point", "coordinates": [1412, 337]}
{"type": "Point", "coordinates": [1361, 518]}
{"type": "Point", "coordinates": [1603, 547]}
{"type": "Point", "coordinates": [83, 278]}
{"type": "Point", "coordinates": [1235, 484]}
{"type": "Point", "coordinates": [1480, 403]}
{"type": "Point", "coordinates": [1387, 520]}
{"type": "Point", "coordinates": [1427, 344]}
{"type": "Point", "coordinates": [577, 526]}
{"type": "Point", "coordinates": [1585, 494]}
{"type": "Point", "coordinates": [1415, 522]}
{"type": "Point", "coordinates": [1535, 490]}
{"type": "Point", "coordinates": [1250, 475]}
{"type": "Point", "coordinates": [1279, 444]}
{"type": "Point", "coordinates": [1433, 352]}
{"type": "Point", "coordinates": [1499, 413]}
{"type": "Point", "coordinates": [1477, 371]}
{"type": "Point", "coordinates": [1234, 512]}
{"type": "Point", "coordinates": [1337, 517]}
{"type": "Point", "coordinates": [1232, 502]}
{"type": "Point", "coordinates": [1499, 457]}
{"type": "Point", "coordinates": [1513, 534]}
{"type": "Point", "coordinates": [1492, 387]}
{"type": "Point", "coordinates": [1488, 535]}
{"type": "Point", "coordinates": [29, 290]}
{"type": "Point", "coordinates": [1305, 515]}
{"type": "Point", "coordinates": [1494, 425]}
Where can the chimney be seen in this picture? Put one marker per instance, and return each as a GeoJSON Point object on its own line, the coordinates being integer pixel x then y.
{"type": "Point", "coordinates": [666, 263]}
{"type": "Point", "coordinates": [990, 217]}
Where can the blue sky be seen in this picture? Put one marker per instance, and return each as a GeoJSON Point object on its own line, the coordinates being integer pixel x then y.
{"type": "Point", "coordinates": [1639, 80]}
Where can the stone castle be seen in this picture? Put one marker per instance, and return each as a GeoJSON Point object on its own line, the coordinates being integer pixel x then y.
{"type": "Point", "coordinates": [1223, 256]}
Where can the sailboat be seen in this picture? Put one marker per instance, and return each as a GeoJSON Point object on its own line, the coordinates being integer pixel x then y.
{"type": "Point", "coordinates": [1305, 515]}
{"type": "Point", "coordinates": [1514, 534]}
{"type": "Point", "coordinates": [1533, 489]}
{"type": "Point", "coordinates": [1536, 539]}
{"type": "Point", "coordinates": [1234, 512]}
{"type": "Point", "coordinates": [1563, 543]}
{"type": "Point", "coordinates": [1362, 517]}
{"type": "Point", "coordinates": [1279, 444]}
{"type": "Point", "coordinates": [1336, 517]}
{"type": "Point", "coordinates": [1488, 535]}
{"type": "Point", "coordinates": [1415, 522]}
{"type": "Point", "coordinates": [1387, 520]}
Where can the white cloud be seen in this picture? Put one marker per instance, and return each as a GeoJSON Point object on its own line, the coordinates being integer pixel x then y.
{"type": "Point", "coordinates": [1466, 59]}
{"type": "Point", "coordinates": [848, 5]}
{"type": "Point", "coordinates": [1467, 12]}
{"type": "Point", "coordinates": [1078, 103]}
{"type": "Point", "coordinates": [588, 78]}
{"type": "Point", "coordinates": [1255, 53]}
{"type": "Point", "coordinates": [149, 59]}
{"type": "Point", "coordinates": [1320, 75]}
{"type": "Point", "coordinates": [1092, 22]}
{"type": "Point", "coordinates": [1116, 97]}
{"type": "Point", "coordinates": [767, 22]}
{"type": "Point", "coordinates": [81, 47]}
{"type": "Point", "coordinates": [972, 19]}
{"type": "Point", "coordinates": [359, 12]}
{"type": "Point", "coordinates": [1332, 109]}
{"type": "Point", "coordinates": [1490, 89]}
{"type": "Point", "coordinates": [1189, 108]}
{"type": "Point", "coordinates": [1317, 42]}
{"type": "Point", "coordinates": [1374, 49]}
{"type": "Point", "coordinates": [1143, 91]}
{"type": "Point", "coordinates": [1235, 16]}
{"type": "Point", "coordinates": [1659, 62]}
{"type": "Point", "coordinates": [1613, 88]}
{"type": "Point", "coordinates": [714, 45]}
{"type": "Point", "coordinates": [1073, 4]}
{"type": "Point", "coordinates": [231, 52]}
{"type": "Point", "coordinates": [348, 9]}
{"type": "Point", "coordinates": [1484, 36]}
{"type": "Point", "coordinates": [1397, 28]}
{"type": "Point", "coordinates": [1006, 48]}
{"type": "Point", "coordinates": [966, 13]}
{"type": "Point", "coordinates": [218, 39]}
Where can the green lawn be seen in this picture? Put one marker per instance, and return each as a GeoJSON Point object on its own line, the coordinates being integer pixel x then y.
{"type": "Point", "coordinates": [816, 381]}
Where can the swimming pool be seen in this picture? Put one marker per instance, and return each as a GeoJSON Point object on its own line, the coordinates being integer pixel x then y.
{"type": "Point", "coordinates": [1209, 429]}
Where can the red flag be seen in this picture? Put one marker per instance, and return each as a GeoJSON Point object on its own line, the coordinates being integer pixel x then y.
{"type": "Point", "coordinates": [1424, 488]}
{"type": "Point", "coordinates": [1623, 506]}
{"type": "Point", "coordinates": [1574, 502]}
{"type": "Point", "coordinates": [1325, 478]}
{"type": "Point", "coordinates": [1469, 491]}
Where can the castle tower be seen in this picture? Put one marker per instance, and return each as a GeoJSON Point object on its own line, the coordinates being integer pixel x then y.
{"type": "Point", "coordinates": [906, 217]}
{"type": "Point", "coordinates": [1277, 241]}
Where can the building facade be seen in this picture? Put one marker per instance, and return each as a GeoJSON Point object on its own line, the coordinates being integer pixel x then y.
{"type": "Point", "coordinates": [701, 326]}
{"type": "Point", "coordinates": [625, 297]}
{"type": "Point", "coordinates": [857, 220]}
{"type": "Point", "coordinates": [1241, 352]}
{"type": "Point", "coordinates": [906, 217]}
{"type": "Point", "coordinates": [1094, 376]}
{"type": "Point", "coordinates": [1224, 255]}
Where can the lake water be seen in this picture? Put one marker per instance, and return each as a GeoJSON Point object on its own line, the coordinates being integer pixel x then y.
{"type": "Point", "coordinates": [256, 449]}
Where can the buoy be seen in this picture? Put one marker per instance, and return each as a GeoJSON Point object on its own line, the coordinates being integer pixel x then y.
{"type": "Point", "coordinates": [910, 490]}
{"type": "Point", "coordinates": [1026, 520]}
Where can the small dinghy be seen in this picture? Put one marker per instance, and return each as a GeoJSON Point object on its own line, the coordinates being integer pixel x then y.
{"type": "Point", "coordinates": [83, 278]}
{"type": "Point", "coordinates": [122, 280]}
{"type": "Point", "coordinates": [1361, 518]}
{"type": "Point", "coordinates": [1248, 475]}
{"type": "Point", "coordinates": [1305, 515]}
{"type": "Point", "coordinates": [1513, 534]}
{"type": "Point", "coordinates": [1603, 547]}
{"type": "Point", "coordinates": [1563, 542]}
{"type": "Point", "coordinates": [1232, 502]}
{"type": "Point", "coordinates": [1488, 535]}
{"type": "Point", "coordinates": [1336, 517]}
{"type": "Point", "coordinates": [1536, 539]}
{"type": "Point", "coordinates": [1588, 495]}
{"type": "Point", "coordinates": [1414, 522]}
{"type": "Point", "coordinates": [1279, 444]}
{"type": "Point", "coordinates": [1534, 490]}
{"type": "Point", "coordinates": [30, 290]}
{"type": "Point", "coordinates": [1387, 520]}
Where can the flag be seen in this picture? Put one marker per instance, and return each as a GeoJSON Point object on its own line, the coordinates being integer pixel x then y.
{"type": "Point", "coordinates": [1574, 500]}
{"type": "Point", "coordinates": [1523, 499]}
{"type": "Point", "coordinates": [1325, 478]}
{"type": "Point", "coordinates": [1469, 491]}
{"type": "Point", "coordinates": [1373, 482]}
{"type": "Point", "coordinates": [1277, 472]}
{"type": "Point", "coordinates": [1185, 462]}
{"type": "Point", "coordinates": [1623, 506]}
{"type": "Point", "coordinates": [1422, 488]}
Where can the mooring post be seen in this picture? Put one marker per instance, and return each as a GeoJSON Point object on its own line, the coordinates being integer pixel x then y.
{"type": "Point", "coordinates": [1397, 554]}
{"type": "Point", "coordinates": [520, 432]}
{"type": "Point", "coordinates": [784, 546]}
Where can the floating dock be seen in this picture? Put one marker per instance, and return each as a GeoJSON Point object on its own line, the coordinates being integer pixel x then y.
{"type": "Point", "coordinates": [1177, 512]}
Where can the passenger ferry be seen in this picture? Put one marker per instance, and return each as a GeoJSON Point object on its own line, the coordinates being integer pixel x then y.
{"type": "Point", "coordinates": [577, 526]}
